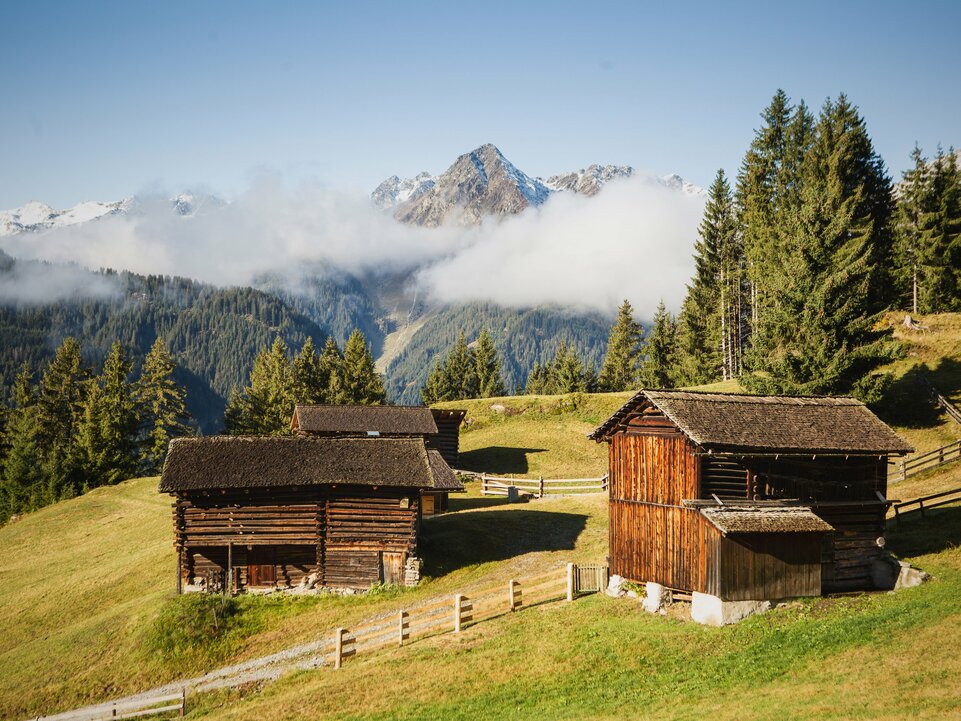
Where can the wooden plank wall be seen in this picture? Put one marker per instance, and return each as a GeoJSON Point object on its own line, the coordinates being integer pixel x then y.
{"type": "Point", "coordinates": [652, 538]}
{"type": "Point", "coordinates": [447, 439]}
{"type": "Point", "coordinates": [336, 532]}
{"type": "Point", "coordinates": [848, 553]}
{"type": "Point", "coordinates": [669, 545]}
{"type": "Point", "coordinates": [767, 566]}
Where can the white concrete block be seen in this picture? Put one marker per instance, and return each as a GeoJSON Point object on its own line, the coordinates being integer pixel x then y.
{"type": "Point", "coordinates": [615, 586]}
{"type": "Point", "coordinates": [657, 597]}
{"type": "Point", "coordinates": [712, 611]}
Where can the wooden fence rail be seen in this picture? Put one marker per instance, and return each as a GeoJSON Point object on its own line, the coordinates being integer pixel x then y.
{"type": "Point", "coordinates": [925, 503]}
{"type": "Point", "coordinates": [461, 610]}
{"type": "Point", "coordinates": [166, 704]}
{"type": "Point", "coordinates": [540, 487]}
{"type": "Point", "coordinates": [908, 467]}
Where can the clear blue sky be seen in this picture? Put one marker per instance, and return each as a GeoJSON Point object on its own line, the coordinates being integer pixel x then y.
{"type": "Point", "coordinates": [101, 100]}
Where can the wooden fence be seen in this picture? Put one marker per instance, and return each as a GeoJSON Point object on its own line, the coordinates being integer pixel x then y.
{"type": "Point", "coordinates": [457, 612]}
{"type": "Point", "coordinates": [170, 704]}
{"type": "Point", "coordinates": [540, 487]}
{"type": "Point", "coordinates": [924, 503]}
{"type": "Point", "coordinates": [908, 467]}
{"type": "Point", "coordinates": [943, 402]}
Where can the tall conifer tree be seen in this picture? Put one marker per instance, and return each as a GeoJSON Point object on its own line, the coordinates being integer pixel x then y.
{"type": "Point", "coordinates": [622, 360]}
{"type": "Point", "coordinates": [361, 383]}
{"type": "Point", "coordinates": [162, 403]}
{"type": "Point", "coordinates": [658, 370]}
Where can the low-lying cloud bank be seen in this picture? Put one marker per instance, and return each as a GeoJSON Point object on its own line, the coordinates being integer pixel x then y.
{"type": "Point", "coordinates": [633, 240]}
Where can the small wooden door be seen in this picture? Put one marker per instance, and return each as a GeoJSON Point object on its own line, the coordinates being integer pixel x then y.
{"type": "Point", "coordinates": [427, 504]}
{"type": "Point", "coordinates": [392, 567]}
{"type": "Point", "coordinates": [261, 569]}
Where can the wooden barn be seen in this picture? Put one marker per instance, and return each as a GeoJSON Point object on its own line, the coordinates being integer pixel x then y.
{"type": "Point", "coordinates": [747, 497]}
{"type": "Point", "coordinates": [440, 430]}
{"type": "Point", "coordinates": [267, 512]}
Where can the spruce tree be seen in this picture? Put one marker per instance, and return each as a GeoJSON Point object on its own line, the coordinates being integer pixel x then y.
{"type": "Point", "coordinates": [538, 381]}
{"type": "Point", "coordinates": [623, 357]}
{"type": "Point", "coordinates": [60, 404]}
{"type": "Point", "coordinates": [266, 406]}
{"type": "Point", "coordinates": [913, 206]}
{"type": "Point", "coordinates": [331, 367]}
{"type": "Point", "coordinates": [437, 388]}
{"type": "Point", "coordinates": [108, 429]}
{"type": "Point", "coordinates": [22, 483]}
{"type": "Point", "coordinates": [361, 383]}
{"type": "Point", "coordinates": [162, 404]}
{"type": "Point", "coordinates": [819, 334]}
{"type": "Point", "coordinates": [941, 237]}
{"type": "Point", "coordinates": [567, 373]}
{"type": "Point", "coordinates": [660, 348]}
{"type": "Point", "coordinates": [487, 366]}
{"type": "Point", "coordinates": [311, 377]}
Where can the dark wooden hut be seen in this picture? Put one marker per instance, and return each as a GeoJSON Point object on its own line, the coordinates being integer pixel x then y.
{"type": "Point", "coordinates": [439, 428]}
{"type": "Point", "coordinates": [747, 497]}
{"type": "Point", "coordinates": [266, 512]}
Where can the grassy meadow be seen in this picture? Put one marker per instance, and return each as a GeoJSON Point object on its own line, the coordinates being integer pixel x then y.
{"type": "Point", "coordinates": [89, 612]}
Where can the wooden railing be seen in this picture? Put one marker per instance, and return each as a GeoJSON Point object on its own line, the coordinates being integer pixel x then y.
{"type": "Point", "coordinates": [926, 461]}
{"type": "Point", "coordinates": [540, 487]}
{"type": "Point", "coordinates": [943, 402]}
{"type": "Point", "coordinates": [924, 503]}
{"type": "Point", "coordinates": [457, 612]}
{"type": "Point", "coordinates": [167, 704]}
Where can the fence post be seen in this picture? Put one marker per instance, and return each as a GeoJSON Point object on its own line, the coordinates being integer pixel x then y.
{"type": "Point", "coordinates": [512, 599]}
{"type": "Point", "coordinates": [570, 582]}
{"type": "Point", "coordinates": [183, 702]}
{"type": "Point", "coordinates": [921, 507]}
{"type": "Point", "coordinates": [338, 647]}
{"type": "Point", "coordinates": [541, 487]}
{"type": "Point", "coordinates": [458, 601]}
{"type": "Point", "coordinates": [402, 626]}
{"type": "Point", "coordinates": [903, 474]}
{"type": "Point", "coordinates": [483, 484]}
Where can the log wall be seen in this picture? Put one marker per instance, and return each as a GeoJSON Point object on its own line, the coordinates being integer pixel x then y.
{"type": "Point", "coordinates": [338, 533]}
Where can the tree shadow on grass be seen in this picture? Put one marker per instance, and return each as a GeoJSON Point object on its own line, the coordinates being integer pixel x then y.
{"type": "Point", "coordinates": [457, 503]}
{"type": "Point", "coordinates": [908, 402]}
{"type": "Point", "coordinates": [456, 540]}
{"type": "Point", "coordinates": [937, 530]}
{"type": "Point", "coordinates": [497, 459]}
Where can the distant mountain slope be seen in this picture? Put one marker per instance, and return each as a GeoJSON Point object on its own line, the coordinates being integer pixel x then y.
{"type": "Point", "coordinates": [523, 338]}
{"type": "Point", "coordinates": [213, 333]}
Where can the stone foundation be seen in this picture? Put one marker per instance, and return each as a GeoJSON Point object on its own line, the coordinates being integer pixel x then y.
{"type": "Point", "coordinates": [412, 571]}
{"type": "Point", "coordinates": [712, 611]}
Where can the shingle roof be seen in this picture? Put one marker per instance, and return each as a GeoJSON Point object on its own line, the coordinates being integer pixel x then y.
{"type": "Point", "coordinates": [444, 477]}
{"type": "Point", "coordinates": [385, 420]}
{"type": "Point", "coordinates": [747, 519]}
{"type": "Point", "coordinates": [245, 462]}
{"type": "Point", "coordinates": [737, 422]}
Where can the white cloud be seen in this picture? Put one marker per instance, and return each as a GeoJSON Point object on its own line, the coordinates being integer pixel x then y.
{"type": "Point", "coordinates": [633, 240]}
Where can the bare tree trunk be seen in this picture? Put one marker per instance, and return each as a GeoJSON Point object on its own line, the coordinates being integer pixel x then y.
{"type": "Point", "coordinates": [723, 313]}
{"type": "Point", "coordinates": [914, 289]}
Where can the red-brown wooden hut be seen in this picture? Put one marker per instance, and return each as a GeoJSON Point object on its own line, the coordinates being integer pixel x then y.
{"type": "Point", "coordinates": [746, 497]}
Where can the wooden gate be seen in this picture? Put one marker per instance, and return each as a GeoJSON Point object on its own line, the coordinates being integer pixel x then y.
{"type": "Point", "coordinates": [392, 567]}
{"type": "Point", "coordinates": [590, 577]}
{"type": "Point", "coordinates": [261, 570]}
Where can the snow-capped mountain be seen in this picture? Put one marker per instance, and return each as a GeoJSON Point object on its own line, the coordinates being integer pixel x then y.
{"type": "Point", "coordinates": [483, 183]}
{"type": "Point", "coordinates": [589, 181]}
{"type": "Point", "coordinates": [36, 216]}
{"type": "Point", "coordinates": [479, 183]}
{"type": "Point", "coordinates": [394, 191]}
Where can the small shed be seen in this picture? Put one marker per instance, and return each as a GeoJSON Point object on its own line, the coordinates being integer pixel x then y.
{"type": "Point", "coordinates": [439, 428]}
{"type": "Point", "coordinates": [747, 497]}
{"type": "Point", "coordinates": [266, 511]}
